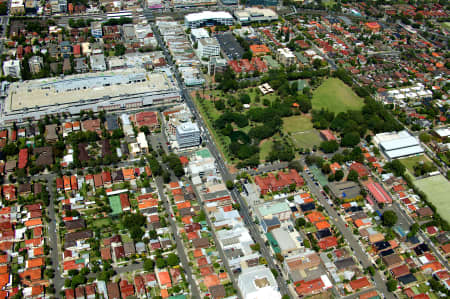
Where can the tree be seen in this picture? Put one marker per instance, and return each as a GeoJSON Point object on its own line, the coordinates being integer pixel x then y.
{"type": "Point", "coordinates": [160, 263]}
{"type": "Point", "coordinates": [338, 175]}
{"type": "Point", "coordinates": [413, 230]}
{"type": "Point", "coordinates": [230, 184]}
{"type": "Point", "coordinates": [300, 222]}
{"type": "Point", "coordinates": [389, 218]}
{"type": "Point", "coordinates": [145, 130]}
{"type": "Point", "coordinates": [396, 167]}
{"type": "Point", "coordinates": [119, 50]}
{"type": "Point", "coordinates": [352, 176]}
{"type": "Point", "coordinates": [425, 137]}
{"type": "Point", "coordinates": [329, 146]}
{"type": "Point", "coordinates": [350, 139]}
{"type": "Point", "coordinates": [326, 168]}
{"type": "Point", "coordinates": [274, 272]}
{"type": "Point", "coordinates": [279, 257]}
{"type": "Point", "coordinates": [172, 259]}
{"type": "Point", "coordinates": [296, 165]}
{"type": "Point", "coordinates": [77, 280]}
{"type": "Point", "coordinates": [391, 285]}
{"type": "Point", "coordinates": [149, 265]}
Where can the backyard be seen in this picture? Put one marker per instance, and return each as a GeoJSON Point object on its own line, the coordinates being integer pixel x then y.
{"type": "Point", "coordinates": [336, 96]}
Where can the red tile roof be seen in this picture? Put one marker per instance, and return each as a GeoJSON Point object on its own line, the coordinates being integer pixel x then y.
{"type": "Point", "coordinates": [304, 288]}
{"type": "Point", "coordinates": [272, 183]}
{"type": "Point", "coordinates": [126, 288]}
{"type": "Point", "coordinates": [359, 283]}
{"type": "Point", "coordinates": [164, 278]}
{"type": "Point", "coordinates": [378, 192]}
{"type": "Point", "coordinates": [328, 242]}
{"type": "Point", "coordinates": [146, 118]}
{"type": "Point", "coordinates": [23, 158]}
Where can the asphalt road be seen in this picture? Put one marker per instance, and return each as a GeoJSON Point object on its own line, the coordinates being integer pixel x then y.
{"type": "Point", "coordinates": [348, 235]}
{"type": "Point", "coordinates": [223, 169]}
{"type": "Point", "coordinates": [220, 249]}
{"type": "Point", "coordinates": [58, 280]}
{"type": "Point", "coordinates": [180, 247]}
{"type": "Point", "coordinates": [404, 217]}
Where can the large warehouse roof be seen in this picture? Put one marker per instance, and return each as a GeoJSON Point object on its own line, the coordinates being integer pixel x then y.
{"type": "Point", "coordinates": [404, 152]}
{"type": "Point", "coordinates": [207, 15]}
{"type": "Point", "coordinates": [399, 143]}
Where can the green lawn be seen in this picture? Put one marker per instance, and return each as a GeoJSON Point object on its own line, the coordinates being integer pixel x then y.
{"type": "Point", "coordinates": [264, 149]}
{"type": "Point", "coordinates": [336, 96]}
{"type": "Point", "coordinates": [437, 189]}
{"type": "Point", "coordinates": [210, 113]}
{"type": "Point", "coordinates": [411, 161]}
{"type": "Point", "coordinates": [102, 222]}
{"type": "Point", "coordinates": [306, 140]}
{"type": "Point", "coordinates": [329, 3]}
{"type": "Point", "coordinates": [297, 123]}
{"type": "Point", "coordinates": [301, 131]}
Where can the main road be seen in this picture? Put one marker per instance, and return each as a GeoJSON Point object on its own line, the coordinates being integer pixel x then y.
{"type": "Point", "coordinates": [244, 211]}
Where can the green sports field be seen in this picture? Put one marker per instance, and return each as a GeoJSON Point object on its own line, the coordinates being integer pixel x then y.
{"type": "Point", "coordinates": [301, 131]}
{"type": "Point", "coordinates": [116, 207]}
{"type": "Point", "coordinates": [336, 96]}
{"type": "Point", "coordinates": [437, 189]}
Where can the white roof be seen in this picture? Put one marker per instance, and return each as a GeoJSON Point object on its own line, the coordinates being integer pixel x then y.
{"type": "Point", "coordinates": [443, 132]}
{"type": "Point", "coordinates": [399, 143]}
{"type": "Point", "coordinates": [284, 239]}
{"type": "Point", "coordinates": [207, 15]}
{"type": "Point", "coordinates": [402, 152]}
{"type": "Point", "coordinates": [199, 33]}
{"type": "Point", "coordinates": [258, 283]}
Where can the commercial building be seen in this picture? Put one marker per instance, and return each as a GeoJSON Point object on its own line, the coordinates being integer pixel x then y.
{"type": "Point", "coordinates": [208, 47]}
{"type": "Point", "coordinates": [255, 14]}
{"type": "Point", "coordinates": [96, 29]}
{"type": "Point", "coordinates": [398, 144]}
{"type": "Point", "coordinates": [345, 190]}
{"type": "Point", "coordinates": [281, 210]}
{"type": "Point", "coordinates": [189, 3]}
{"type": "Point", "coordinates": [35, 63]}
{"type": "Point", "coordinates": [286, 57]}
{"type": "Point", "coordinates": [11, 68]}
{"type": "Point", "coordinates": [258, 283]}
{"type": "Point", "coordinates": [17, 7]}
{"type": "Point", "coordinates": [217, 65]}
{"type": "Point", "coordinates": [208, 18]}
{"type": "Point", "coordinates": [188, 135]}
{"type": "Point", "coordinates": [284, 240]}
{"type": "Point", "coordinates": [121, 89]}
{"type": "Point", "coordinates": [229, 2]}
{"type": "Point", "coordinates": [198, 33]}
{"type": "Point", "coordinates": [262, 3]}
{"type": "Point", "coordinates": [442, 133]}
{"type": "Point", "coordinates": [98, 63]}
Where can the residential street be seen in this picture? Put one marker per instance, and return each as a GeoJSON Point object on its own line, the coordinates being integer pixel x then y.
{"type": "Point", "coordinates": [180, 247]}
{"type": "Point", "coordinates": [58, 281]}
{"type": "Point", "coordinates": [348, 235]}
